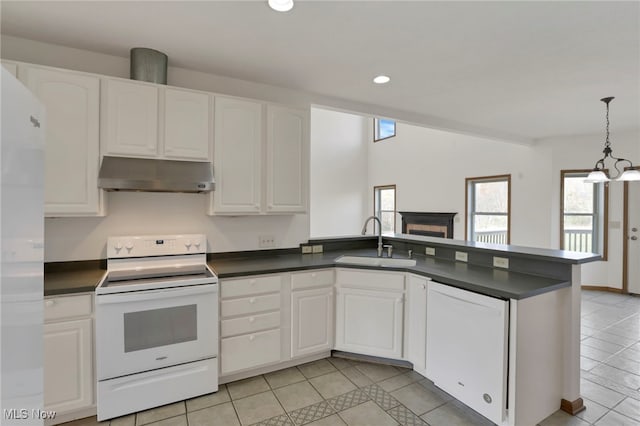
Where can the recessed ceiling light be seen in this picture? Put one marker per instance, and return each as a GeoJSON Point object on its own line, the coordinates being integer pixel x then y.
{"type": "Point", "coordinates": [381, 79]}
{"type": "Point", "coordinates": [281, 5]}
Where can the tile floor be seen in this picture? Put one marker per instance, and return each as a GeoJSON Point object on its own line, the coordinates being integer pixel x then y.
{"type": "Point", "coordinates": [336, 391]}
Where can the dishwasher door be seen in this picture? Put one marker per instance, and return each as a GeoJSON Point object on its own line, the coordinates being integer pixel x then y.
{"type": "Point", "coordinates": [467, 348]}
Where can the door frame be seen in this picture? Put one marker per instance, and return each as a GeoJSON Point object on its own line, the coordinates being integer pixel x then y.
{"type": "Point", "coordinates": [625, 235]}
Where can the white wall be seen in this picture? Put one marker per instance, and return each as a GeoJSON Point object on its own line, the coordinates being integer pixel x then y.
{"type": "Point", "coordinates": [339, 173]}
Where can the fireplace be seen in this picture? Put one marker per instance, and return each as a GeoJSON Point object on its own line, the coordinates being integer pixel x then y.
{"type": "Point", "coordinates": [428, 224]}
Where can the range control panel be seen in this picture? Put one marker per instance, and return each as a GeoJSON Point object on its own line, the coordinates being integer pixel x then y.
{"type": "Point", "coordinates": [155, 245]}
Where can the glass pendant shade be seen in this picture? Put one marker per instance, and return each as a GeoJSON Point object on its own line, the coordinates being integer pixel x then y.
{"type": "Point", "coordinates": [597, 176]}
{"type": "Point", "coordinates": [630, 175]}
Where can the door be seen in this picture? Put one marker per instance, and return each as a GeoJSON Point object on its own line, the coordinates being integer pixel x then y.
{"type": "Point", "coordinates": [311, 321]}
{"type": "Point", "coordinates": [68, 366]}
{"type": "Point", "coordinates": [633, 237]}
{"type": "Point", "coordinates": [186, 125]}
{"type": "Point", "coordinates": [287, 141]}
{"type": "Point", "coordinates": [416, 331]}
{"type": "Point", "coordinates": [72, 141]}
{"type": "Point", "coordinates": [369, 322]}
{"type": "Point", "coordinates": [237, 156]}
{"type": "Point", "coordinates": [131, 329]}
{"type": "Point", "coordinates": [130, 115]}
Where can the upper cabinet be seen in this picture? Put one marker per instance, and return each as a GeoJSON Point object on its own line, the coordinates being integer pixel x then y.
{"type": "Point", "coordinates": [72, 140]}
{"type": "Point", "coordinates": [145, 120]}
{"type": "Point", "coordinates": [260, 158]}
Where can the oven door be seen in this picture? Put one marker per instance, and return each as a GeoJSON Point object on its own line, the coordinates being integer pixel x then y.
{"type": "Point", "coordinates": [147, 330]}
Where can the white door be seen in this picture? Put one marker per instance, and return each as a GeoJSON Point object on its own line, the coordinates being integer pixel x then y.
{"type": "Point", "coordinates": [130, 118]}
{"type": "Point", "coordinates": [186, 125]}
{"type": "Point", "coordinates": [237, 156]}
{"type": "Point", "coordinates": [311, 321]}
{"type": "Point", "coordinates": [416, 330]}
{"type": "Point", "coordinates": [369, 322]}
{"type": "Point", "coordinates": [68, 366]}
{"type": "Point", "coordinates": [633, 238]}
{"type": "Point", "coordinates": [287, 142]}
{"type": "Point", "coordinates": [72, 140]}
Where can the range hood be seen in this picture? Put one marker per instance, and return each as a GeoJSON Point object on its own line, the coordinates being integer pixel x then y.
{"type": "Point", "coordinates": [141, 174]}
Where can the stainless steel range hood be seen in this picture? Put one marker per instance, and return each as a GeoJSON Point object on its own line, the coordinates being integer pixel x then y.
{"type": "Point", "coordinates": [140, 174]}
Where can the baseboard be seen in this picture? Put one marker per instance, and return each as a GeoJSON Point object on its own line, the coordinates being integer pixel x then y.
{"type": "Point", "coordinates": [601, 288]}
{"type": "Point", "coordinates": [572, 407]}
{"type": "Point", "coordinates": [70, 416]}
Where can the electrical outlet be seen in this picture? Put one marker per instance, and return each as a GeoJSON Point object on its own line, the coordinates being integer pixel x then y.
{"type": "Point", "coordinates": [307, 249]}
{"type": "Point", "coordinates": [266, 241]}
{"type": "Point", "coordinates": [317, 248]}
{"type": "Point", "coordinates": [461, 256]}
{"type": "Point", "coordinates": [430, 251]}
{"type": "Point", "coordinates": [500, 262]}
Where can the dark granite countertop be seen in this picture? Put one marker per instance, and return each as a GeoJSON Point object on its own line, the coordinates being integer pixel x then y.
{"type": "Point", "coordinates": [489, 281]}
{"type": "Point", "coordinates": [78, 277]}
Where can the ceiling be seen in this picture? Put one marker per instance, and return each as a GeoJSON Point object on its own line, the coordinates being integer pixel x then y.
{"type": "Point", "coordinates": [527, 69]}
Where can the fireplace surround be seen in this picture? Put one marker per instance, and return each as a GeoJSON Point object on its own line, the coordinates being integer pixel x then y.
{"type": "Point", "coordinates": [428, 224]}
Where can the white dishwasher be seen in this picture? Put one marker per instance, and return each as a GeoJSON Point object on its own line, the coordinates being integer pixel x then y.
{"type": "Point", "coordinates": [467, 348]}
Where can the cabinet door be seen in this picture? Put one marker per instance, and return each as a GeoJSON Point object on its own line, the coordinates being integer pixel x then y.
{"type": "Point", "coordinates": [237, 156]}
{"type": "Point", "coordinates": [287, 170]}
{"type": "Point", "coordinates": [68, 373]}
{"type": "Point", "coordinates": [416, 329]}
{"type": "Point", "coordinates": [72, 140]}
{"type": "Point", "coordinates": [130, 114]}
{"type": "Point", "coordinates": [369, 322]}
{"type": "Point", "coordinates": [186, 125]}
{"type": "Point", "coordinates": [311, 321]}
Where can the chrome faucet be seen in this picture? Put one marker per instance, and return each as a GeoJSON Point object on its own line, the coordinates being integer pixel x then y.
{"type": "Point", "coordinates": [364, 231]}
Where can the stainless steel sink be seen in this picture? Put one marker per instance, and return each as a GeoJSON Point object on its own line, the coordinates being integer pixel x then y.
{"type": "Point", "coordinates": [389, 262]}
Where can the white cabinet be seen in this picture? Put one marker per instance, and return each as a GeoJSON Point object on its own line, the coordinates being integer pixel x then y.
{"type": "Point", "coordinates": [72, 140]}
{"type": "Point", "coordinates": [237, 156]}
{"type": "Point", "coordinates": [260, 164]}
{"type": "Point", "coordinates": [151, 121]}
{"type": "Point", "coordinates": [369, 313]}
{"type": "Point", "coordinates": [416, 322]}
{"type": "Point", "coordinates": [186, 125]}
{"type": "Point", "coordinates": [68, 354]}
{"type": "Point", "coordinates": [467, 347]}
{"type": "Point", "coordinates": [130, 118]}
{"type": "Point", "coordinates": [286, 159]}
{"type": "Point", "coordinates": [250, 326]}
{"type": "Point", "coordinates": [12, 67]}
{"type": "Point", "coordinates": [311, 312]}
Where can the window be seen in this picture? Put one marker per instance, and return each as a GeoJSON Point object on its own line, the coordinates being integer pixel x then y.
{"type": "Point", "coordinates": [384, 207]}
{"type": "Point", "coordinates": [488, 207]}
{"type": "Point", "coordinates": [383, 129]}
{"type": "Point", "coordinates": [583, 213]}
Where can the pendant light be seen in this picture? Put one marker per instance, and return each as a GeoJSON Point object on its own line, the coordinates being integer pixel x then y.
{"type": "Point", "coordinates": [598, 174]}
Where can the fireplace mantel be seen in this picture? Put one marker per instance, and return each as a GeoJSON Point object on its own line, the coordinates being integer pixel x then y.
{"type": "Point", "coordinates": [429, 224]}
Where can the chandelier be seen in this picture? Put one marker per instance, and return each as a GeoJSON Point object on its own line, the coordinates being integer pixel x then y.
{"type": "Point", "coordinates": [598, 173]}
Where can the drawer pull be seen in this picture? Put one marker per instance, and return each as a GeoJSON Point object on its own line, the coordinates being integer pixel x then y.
{"type": "Point", "coordinates": [49, 303]}
{"type": "Point", "coordinates": [252, 320]}
{"type": "Point", "coordinates": [252, 300]}
{"type": "Point", "coordinates": [251, 338]}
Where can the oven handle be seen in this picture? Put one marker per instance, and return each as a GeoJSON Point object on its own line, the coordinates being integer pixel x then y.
{"type": "Point", "coordinates": [167, 293]}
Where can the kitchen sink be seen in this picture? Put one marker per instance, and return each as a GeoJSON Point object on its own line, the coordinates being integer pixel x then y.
{"type": "Point", "coordinates": [389, 262]}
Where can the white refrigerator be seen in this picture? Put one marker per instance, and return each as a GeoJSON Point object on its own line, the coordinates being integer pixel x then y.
{"type": "Point", "coordinates": [21, 254]}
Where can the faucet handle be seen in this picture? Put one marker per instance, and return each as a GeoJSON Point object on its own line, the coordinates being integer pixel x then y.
{"type": "Point", "coordinates": [410, 253]}
{"type": "Point", "coordinates": [389, 248]}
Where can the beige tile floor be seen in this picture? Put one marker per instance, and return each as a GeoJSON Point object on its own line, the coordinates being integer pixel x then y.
{"type": "Point", "coordinates": [335, 391]}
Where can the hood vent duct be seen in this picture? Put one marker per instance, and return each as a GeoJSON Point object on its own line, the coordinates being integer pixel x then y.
{"type": "Point", "coordinates": [140, 174]}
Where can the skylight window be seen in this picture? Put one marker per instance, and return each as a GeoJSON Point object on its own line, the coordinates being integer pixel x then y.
{"type": "Point", "coordinates": [383, 129]}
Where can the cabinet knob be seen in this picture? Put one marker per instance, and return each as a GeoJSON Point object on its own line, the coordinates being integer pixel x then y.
{"type": "Point", "coordinates": [252, 320]}
{"type": "Point", "coordinates": [251, 338]}
{"type": "Point", "coordinates": [252, 300]}
{"type": "Point", "coordinates": [49, 303]}
{"type": "Point", "coordinates": [313, 275]}
{"type": "Point", "coordinates": [252, 282]}
{"type": "Point", "coordinates": [424, 286]}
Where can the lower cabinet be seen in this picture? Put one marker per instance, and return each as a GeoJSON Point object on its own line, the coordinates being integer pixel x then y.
{"type": "Point", "coordinates": [369, 313]}
{"type": "Point", "coordinates": [311, 313]}
{"type": "Point", "coordinates": [416, 322]}
{"type": "Point", "coordinates": [68, 354]}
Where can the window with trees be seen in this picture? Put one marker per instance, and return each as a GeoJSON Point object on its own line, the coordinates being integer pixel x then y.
{"type": "Point", "coordinates": [583, 208]}
{"type": "Point", "coordinates": [488, 209]}
{"type": "Point", "coordinates": [384, 207]}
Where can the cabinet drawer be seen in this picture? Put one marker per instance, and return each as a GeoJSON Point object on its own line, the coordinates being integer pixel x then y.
{"type": "Point", "coordinates": [249, 350]}
{"type": "Point", "coordinates": [371, 280]}
{"type": "Point", "coordinates": [67, 307]}
{"type": "Point", "coordinates": [250, 286]}
{"type": "Point", "coordinates": [311, 279]}
{"type": "Point", "coordinates": [249, 324]}
{"type": "Point", "coordinates": [250, 305]}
